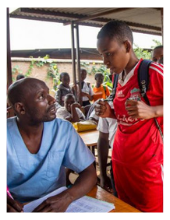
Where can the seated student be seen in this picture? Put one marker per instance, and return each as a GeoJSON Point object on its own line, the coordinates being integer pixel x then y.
{"type": "Point", "coordinates": [71, 110]}
{"type": "Point", "coordinates": [39, 147]}
{"type": "Point", "coordinates": [86, 90]}
{"type": "Point", "coordinates": [64, 88]}
{"type": "Point", "coordinates": [99, 90]}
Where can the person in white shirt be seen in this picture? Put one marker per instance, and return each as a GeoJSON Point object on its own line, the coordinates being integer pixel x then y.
{"type": "Point", "coordinates": [71, 110]}
{"type": "Point", "coordinates": [86, 90]}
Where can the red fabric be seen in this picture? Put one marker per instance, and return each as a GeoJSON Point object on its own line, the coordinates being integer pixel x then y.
{"type": "Point", "coordinates": [137, 156]}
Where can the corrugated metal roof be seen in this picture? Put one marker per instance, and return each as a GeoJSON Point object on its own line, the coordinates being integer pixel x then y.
{"type": "Point", "coordinates": [143, 20]}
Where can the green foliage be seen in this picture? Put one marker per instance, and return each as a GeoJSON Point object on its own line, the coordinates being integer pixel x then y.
{"type": "Point", "coordinates": [145, 54]}
{"type": "Point", "coordinates": [56, 82]}
{"type": "Point", "coordinates": [52, 71]}
{"type": "Point", "coordinates": [16, 70]}
{"type": "Point", "coordinates": [84, 64]}
{"type": "Point", "coordinates": [43, 61]}
{"type": "Point", "coordinates": [30, 68]}
{"type": "Point", "coordinates": [54, 74]}
{"type": "Point", "coordinates": [141, 53]}
{"type": "Point", "coordinates": [40, 63]}
{"type": "Point", "coordinates": [157, 43]}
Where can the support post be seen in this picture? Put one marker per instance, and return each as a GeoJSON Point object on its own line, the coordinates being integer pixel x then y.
{"type": "Point", "coordinates": [162, 24]}
{"type": "Point", "coordinates": [78, 60]}
{"type": "Point", "coordinates": [73, 53]}
{"type": "Point", "coordinates": [9, 72]}
{"type": "Point", "coordinates": [73, 57]}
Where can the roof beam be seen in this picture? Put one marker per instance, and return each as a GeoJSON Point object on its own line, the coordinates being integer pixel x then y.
{"type": "Point", "coordinates": [98, 15]}
{"type": "Point", "coordinates": [102, 21]}
{"type": "Point", "coordinates": [133, 25]}
{"type": "Point", "coordinates": [95, 20]}
{"type": "Point", "coordinates": [49, 13]}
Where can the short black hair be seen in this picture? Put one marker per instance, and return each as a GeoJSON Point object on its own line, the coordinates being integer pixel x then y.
{"type": "Point", "coordinates": [18, 90]}
{"type": "Point", "coordinates": [98, 74]}
{"type": "Point", "coordinates": [83, 70]}
{"type": "Point", "coordinates": [69, 95]}
{"type": "Point", "coordinates": [63, 74]}
{"type": "Point", "coordinates": [20, 76]}
{"type": "Point", "coordinates": [158, 47]}
{"type": "Point", "coordinates": [116, 29]}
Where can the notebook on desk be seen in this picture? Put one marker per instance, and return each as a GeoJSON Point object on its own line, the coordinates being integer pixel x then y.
{"type": "Point", "coordinates": [84, 204]}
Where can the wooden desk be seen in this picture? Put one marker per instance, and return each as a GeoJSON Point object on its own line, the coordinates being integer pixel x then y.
{"type": "Point", "coordinates": [90, 138]}
{"type": "Point", "coordinates": [120, 206]}
{"type": "Point", "coordinates": [98, 193]}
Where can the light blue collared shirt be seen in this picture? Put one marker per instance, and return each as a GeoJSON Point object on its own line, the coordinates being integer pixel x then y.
{"type": "Point", "coordinates": [31, 176]}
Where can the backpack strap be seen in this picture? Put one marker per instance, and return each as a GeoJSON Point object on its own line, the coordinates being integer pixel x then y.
{"type": "Point", "coordinates": [115, 81]}
{"type": "Point", "coordinates": [143, 78]}
{"type": "Point", "coordinates": [143, 81]}
{"type": "Point", "coordinates": [113, 93]}
{"type": "Point", "coordinates": [104, 87]}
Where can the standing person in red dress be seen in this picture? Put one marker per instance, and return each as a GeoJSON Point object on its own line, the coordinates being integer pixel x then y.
{"type": "Point", "coordinates": [137, 156]}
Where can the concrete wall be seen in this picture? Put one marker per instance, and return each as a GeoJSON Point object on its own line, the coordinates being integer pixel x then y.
{"type": "Point", "coordinates": [41, 72]}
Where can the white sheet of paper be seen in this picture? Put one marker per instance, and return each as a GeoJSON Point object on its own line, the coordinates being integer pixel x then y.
{"type": "Point", "coordinates": [89, 204]}
{"type": "Point", "coordinates": [84, 204]}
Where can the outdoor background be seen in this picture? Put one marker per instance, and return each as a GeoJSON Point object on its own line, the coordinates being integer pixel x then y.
{"type": "Point", "coordinates": [29, 34]}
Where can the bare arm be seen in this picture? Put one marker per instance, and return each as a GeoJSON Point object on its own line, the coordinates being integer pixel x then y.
{"type": "Point", "coordinates": [103, 148]}
{"type": "Point", "coordinates": [90, 97]}
{"type": "Point", "coordinates": [75, 117]}
{"type": "Point", "coordinates": [59, 203]}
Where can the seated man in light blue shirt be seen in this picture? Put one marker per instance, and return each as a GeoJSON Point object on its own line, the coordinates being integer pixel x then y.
{"type": "Point", "coordinates": [39, 147]}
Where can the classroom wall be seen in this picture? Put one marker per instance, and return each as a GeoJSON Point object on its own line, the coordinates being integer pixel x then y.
{"type": "Point", "coordinates": [41, 72]}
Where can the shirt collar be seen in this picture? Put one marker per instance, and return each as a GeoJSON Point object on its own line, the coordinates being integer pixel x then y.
{"type": "Point", "coordinates": [127, 76]}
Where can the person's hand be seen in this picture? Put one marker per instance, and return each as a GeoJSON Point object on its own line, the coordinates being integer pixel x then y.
{"type": "Point", "coordinates": [13, 205]}
{"type": "Point", "coordinates": [84, 94]}
{"type": "Point", "coordinates": [68, 118]}
{"type": "Point", "coordinates": [74, 87]}
{"type": "Point", "coordinates": [139, 109]}
{"type": "Point", "coordinates": [58, 203]}
{"type": "Point", "coordinates": [102, 109]}
{"type": "Point", "coordinates": [76, 105]}
{"type": "Point", "coordinates": [105, 183]}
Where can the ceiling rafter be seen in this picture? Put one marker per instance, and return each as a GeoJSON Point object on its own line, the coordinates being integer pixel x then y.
{"type": "Point", "coordinates": [94, 18]}
{"type": "Point", "coordinates": [98, 15]}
